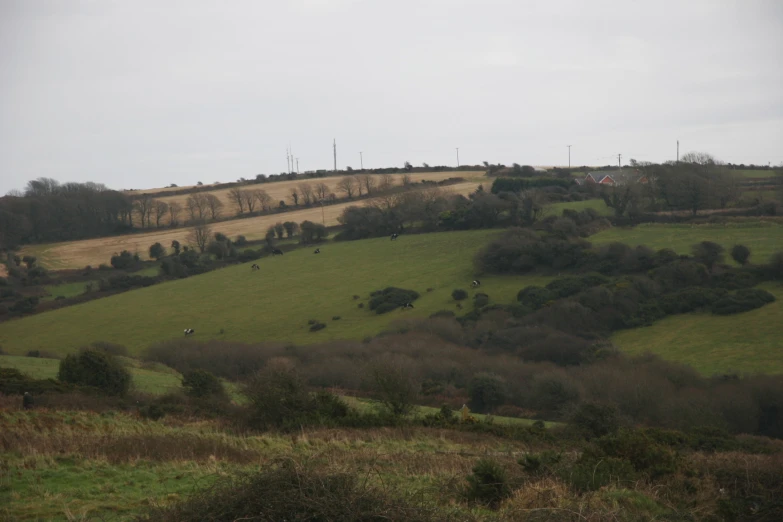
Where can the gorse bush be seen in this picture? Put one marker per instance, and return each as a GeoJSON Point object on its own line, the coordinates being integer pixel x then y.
{"type": "Point", "coordinates": [459, 294]}
{"type": "Point", "coordinates": [388, 299]}
{"type": "Point", "coordinates": [97, 369]}
{"type": "Point", "coordinates": [488, 484]}
{"type": "Point", "coordinates": [742, 301]}
{"type": "Point", "coordinates": [201, 383]}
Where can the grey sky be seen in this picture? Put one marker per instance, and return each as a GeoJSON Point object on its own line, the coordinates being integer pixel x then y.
{"type": "Point", "coordinates": [145, 93]}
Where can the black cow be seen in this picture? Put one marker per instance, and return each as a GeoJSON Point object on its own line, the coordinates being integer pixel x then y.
{"type": "Point", "coordinates": [189, 331]}
{"type": "Point", "coordinates": [394, 236]}
{"type": "Point", "coordinates": [277, 252]}
{"type": "Point", "coordinates": [317, 251]}
{"type": "Point", "coordinates": [255, 267]}
{"type": "Point", "coordinates": [475, 283]}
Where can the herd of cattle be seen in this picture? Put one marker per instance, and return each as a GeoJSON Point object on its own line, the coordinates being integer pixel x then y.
{"type": "Point", "coordinates": [277, 252]}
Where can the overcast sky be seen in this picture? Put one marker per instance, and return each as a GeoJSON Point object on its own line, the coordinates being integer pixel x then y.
{"type": "Point", "coordinates": [140, 94]}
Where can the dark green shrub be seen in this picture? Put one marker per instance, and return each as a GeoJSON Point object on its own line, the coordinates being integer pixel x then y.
{"type": "Point", "coordinates": [644, 454]}
{"type": "Point", "coordinates": [591, 473]}
{"type": "Point", "coordinates": [538, 464]}
{"type": "Point", "coordinates": [25, 305]}
{"type": "Point", "coordinates": [459, 294]}
{"type": "Point", "coordinates": [157, 251]}
{"type": "Point", "coordinates": [487, 391]}
{"type": "Point", "coordinates": [735, 279]}
{"type": "Point", "coordinates": [317, 326]}
{"type": "Point", "coordinates": [595, 420]}
{"type": "Point", "coordinates": [110, 348]}
{"type": "Point", "coordinates": [742, 301]}
{"type": "Point", "coordinates": [480, 300]}
{"type": "Point", "coordinates": [488, 484]}
{"type": "Point", "coordinates": [124, 260]}
{"type": "Point", "coordinates": [690, 299]}
{"type": "Point", "coordinates": [97, 369]}
{"type": "Point", "coordinates": [740, 254]}
{"type": "Point", "coordinates": [568, 286]}
{"type": "Point", "coordinates": [201, 383]}
{"type": "Point", "coordinates": [534, 297]}
{"type": "Point", "coordinates": [391, 297]}
{"type": "Point", "coordinates": [708, 253]}
{"type": "Point", "coordinates": [152, 411]}
{"type": "Point", "coordinates": [240, 241]}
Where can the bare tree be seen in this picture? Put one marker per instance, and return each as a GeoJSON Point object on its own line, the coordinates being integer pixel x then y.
{"type": "Point", "coordinates": [237, 196]}
{"type": "Point", "coordinates": [215, 206]}
{"type": "Point", "coordinates": [174, 211]}
{"type": "Point", "coordinates": [368, 182]}
{"type": "Point", "coordinates": [346, 185]}
{"type": "Point", "coordinates": [250, 200]}
{"type": "Point", "coordinates": [263, 198]}
{"type": "Point", "coordinates": [199, 236]}
{"type": "Point", "coordinates": [385, 182]}
{"type": "Point", "coordinates": [294, 195]}
{"type": "Point", "coordinates": [306, 190]}
{"type": "Point", "coordinates": [357, 180]}
{"type": "Point", "coordinates": [197, 207]}
{"type": "Point", "coordinates": [321, 190]}
{"type": "Point", "coordinates": [406, 180]}
{"type": "Point", "coordinates": [160, 208]}
{"type": "Point", "coordinates": [143, 207]}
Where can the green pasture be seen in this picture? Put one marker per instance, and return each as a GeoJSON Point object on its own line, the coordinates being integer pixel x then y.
{"type": "Point", "coordinates": [276, 303]}
{"type": "Point", "coordinates": [750, 342]}
{"type": "Point", "coordinates": [762, 238]}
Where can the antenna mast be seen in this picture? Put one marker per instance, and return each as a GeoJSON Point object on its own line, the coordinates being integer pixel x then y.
{"type": "Point", "coordinates": [334, 146]}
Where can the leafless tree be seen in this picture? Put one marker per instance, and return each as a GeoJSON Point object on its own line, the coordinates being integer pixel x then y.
{"type": "Point", "coordinates": [357, 183]}
{"type": "Point", "coordinates": [237, 196]}
{"type": "Point", "coordinates": [406, 180]}
{"type": "Point", "coordinates": [174, 210]}
{"type": "Point", "coordinates": [197, 207]}
{"type": "Point", "coordinates": [160, 208]}
{"type": "Point", "coordinates": [263, 199]}
{"type": "Point", "coordinates": [385, 182]}
{"type": "Point", "coordinates": [321, 190]}
{"type": "Point", "coordinates": [200, 235]}
{"type": "Point", "coordinates": [368, 182]}
{"type": "Point", "coordinates": [249, 199]}
{"type": "Point", "coordinates": [143, 207]}
{"type": "Point", "coordinates": [215, 206]}
{"type": "Point", "coordinates": [306, 191]}
{"type": "Point", "coordinates": [294, 195]}
{"type": "Point", "coordinates": [347, 185]}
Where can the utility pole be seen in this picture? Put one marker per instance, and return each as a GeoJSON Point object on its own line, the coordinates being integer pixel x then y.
{"type": "Point", "coordinates": [619, 164]}
{"type": "Point", "coordinates": [457, 157]}
{"type": "Point", "coordinates": [569, 156]}
{"type": "Point", "coordinates": [297, 165]}
{"type": "Point", "coordinates": [287, 161]}
{"type": "Point", "coordinates": [334, 146]}
{"type": "Point", "coordinates": [361, 160]}
{"type": "Point", "coordinates": [678, 151]}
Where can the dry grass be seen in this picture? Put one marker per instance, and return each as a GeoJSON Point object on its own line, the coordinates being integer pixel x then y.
{"type": "Point", "coordinates": [77, 254]}
{"type": "Point", "coordinates": [281, 190]}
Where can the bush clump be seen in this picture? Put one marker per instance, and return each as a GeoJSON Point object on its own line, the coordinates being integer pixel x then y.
{"type": "Point", "coordinates": [97, 369]}
{"type": "Point", "coordinates": [480, 300]}
{"type": "Point", "coordinates": [742, 301]}
{"type": "Point", "coordinates": [488, 484]}
{"type": "Point", "coordinates": [535, 297]}
{"type": "Point", "coordinates": [458, 294]}
{"type": "Point", "coordinates": [288, 490]}
{"type": "Point", "coordinates": [201, 383]}
{"type": "Point", "coordinates": [388, 299]}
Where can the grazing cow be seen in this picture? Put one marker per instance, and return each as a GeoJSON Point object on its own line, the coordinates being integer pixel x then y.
{"type": "Point", "coordinates": [394, 236]}
{"type": "Point", "coordinates": [189, 331]}
{"type": "Point", "coordinates": [255, 267]}
{"type": "Point", "coordinates": [407, 305]}
{"type": "Point", "coordinates": [277, 252]}
{"type": "Point", "coordinates": [317, 251]}
{"type": "Point", "coordinates": [475, 283]}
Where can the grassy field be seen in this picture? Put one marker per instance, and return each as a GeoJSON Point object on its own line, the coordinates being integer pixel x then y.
{"type": "Point", "coordinates": [751, 342]}
{"type": "Point", "coordinates": [762, 238]}
{"type": "Point", "coordinates": [78, 254]}
{"type": "Point", "coordinates": [275, 303]}
{"type": "Point", "coordinates": [281, 190]}
{"type": "Point", "coordinates": [65, 290]}
{"type": "Point", "coordinates": [156, 379]}
{"type": "Point", "coordinates": [85, 466]}
{"type": "Point", "coordinates": [754, 173]}
{"type": "Point", "coordinates": [596, 204]}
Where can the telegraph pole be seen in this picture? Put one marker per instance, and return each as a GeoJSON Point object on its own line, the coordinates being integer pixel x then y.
{"type": "Point", "coordinates": [619, 164]}
{"type": "Point", "coordinates": [569, 156]}
{"type": "Point", "coordinates": [297, 165]}
{"type": "Point", "coordinates": [361, 160]}
{"type": "Point", "coordinates": [678, 151]}
{"type": "Point", "coordinates": [457, 157]}
{"type": "Point", "coordinates": [334, 146]}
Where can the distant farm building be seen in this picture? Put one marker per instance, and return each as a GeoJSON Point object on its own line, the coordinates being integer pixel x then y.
{"type": "Point", "coordinates": [615, 177]}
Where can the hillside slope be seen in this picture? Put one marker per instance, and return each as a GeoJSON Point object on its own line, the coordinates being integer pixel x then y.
{"type": "Point", "coordinates": [78, 254]}
{"type": "Point", "coordinates": [275, 303]}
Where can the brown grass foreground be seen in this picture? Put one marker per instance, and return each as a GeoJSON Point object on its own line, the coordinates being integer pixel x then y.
{"type": "Point", "coordinates": [78, 254]}
{"type": "Point", "coordinates": [407, 473]}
